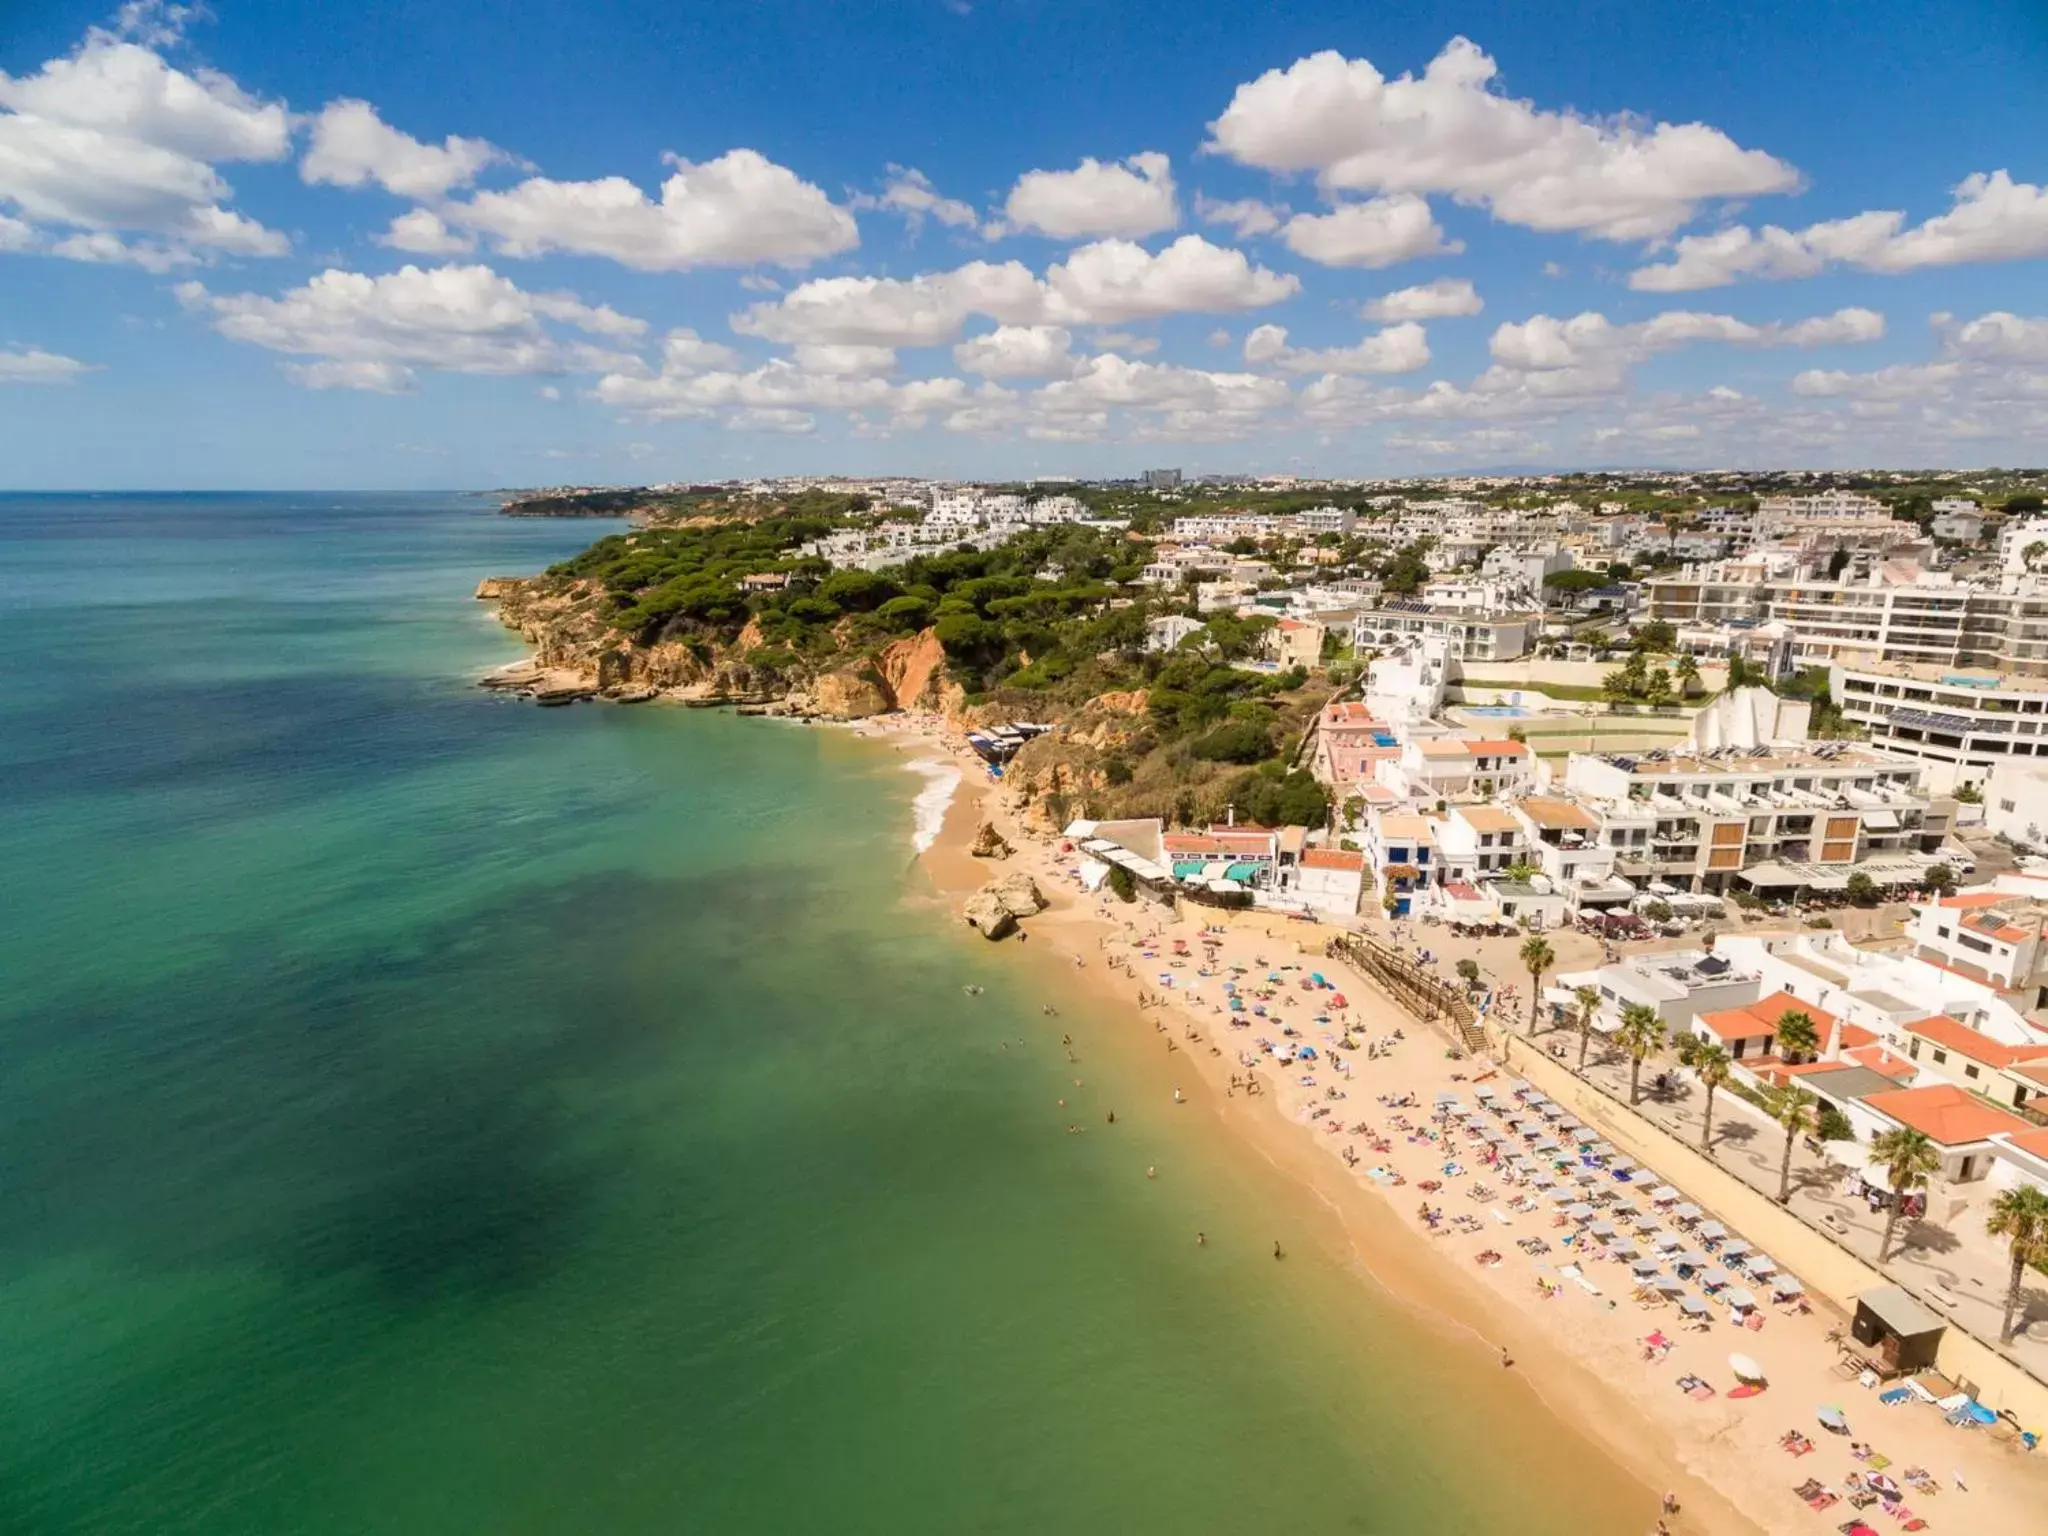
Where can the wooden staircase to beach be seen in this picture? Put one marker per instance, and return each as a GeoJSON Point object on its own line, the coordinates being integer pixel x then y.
{"type": "Point", "coordinates": [1428, 997]}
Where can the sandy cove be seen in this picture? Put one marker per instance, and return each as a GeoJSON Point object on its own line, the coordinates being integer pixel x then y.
{"type": "Point", "coordinates": [1580, 1354]}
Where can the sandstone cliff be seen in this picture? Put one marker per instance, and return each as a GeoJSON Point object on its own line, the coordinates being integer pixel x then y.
{"type": "Point", "coordinates": [577, 652]}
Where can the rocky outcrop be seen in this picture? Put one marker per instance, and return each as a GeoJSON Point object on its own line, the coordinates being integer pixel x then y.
{"type": "Point", "coordinates": [988, 843]}
{"type": "Point", "coordinates": [987, 915]}
{"type": "Point", "coordinates": [993, 910]}
{"type": "Point", "coordinates": [908, 667]}
{"type": "Point", "coordinates": [1019, 894]}
{"type": "Point", "coordinates": [1132, 703]}
{"type": "Point", "coordinates": [851, 693]}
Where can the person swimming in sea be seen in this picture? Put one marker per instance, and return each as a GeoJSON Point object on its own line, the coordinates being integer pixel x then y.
{"type": "Point", "coordinates": [1278, 1251]}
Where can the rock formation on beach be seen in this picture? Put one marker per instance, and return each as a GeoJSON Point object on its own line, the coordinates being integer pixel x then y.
{"type": "Point", "coordinates": [988, 843]}
{"type": "Point", "coordinates": [993, 910]}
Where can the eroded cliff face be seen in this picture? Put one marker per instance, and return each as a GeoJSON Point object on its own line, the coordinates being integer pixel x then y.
{"type": "Point", "coordinates": [575, 649]}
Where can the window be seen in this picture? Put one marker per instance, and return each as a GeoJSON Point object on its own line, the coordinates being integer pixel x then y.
{"type": "Point", "coordinates": [1940, 1056]}
{"type": "Point", "coordinates": [1971, 1070]}
{"type": "Point", "coordinates": [2006, 805]}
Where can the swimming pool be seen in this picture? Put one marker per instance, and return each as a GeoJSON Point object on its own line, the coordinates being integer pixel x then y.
{"type": "Point", "coordinates": [1497, 711]}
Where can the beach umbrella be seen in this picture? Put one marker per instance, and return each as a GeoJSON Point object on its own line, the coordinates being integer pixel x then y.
{"type": "Point", "coordinates": [1579, 1211]}
{"type": "Point", "coordinates": [1833, 1418]}
{"type": "Point", "coordinates": [1712, 1231]}
{"type": "Point", "coordinates": [1714, 1279]}
{"type": "Point", "coordinates": [1625, 1208]}
{"type": "Point", "coordinates": [1738, 1298]}
{"type": "Point", "coordinates": [1622, 1248]}
{"type": "Point", "coordinates": [1585, 1176]}
{"type": "Point", "coordinates": [1482, 1092]}
{"type": "Point", "coordinates": [1602, 1230]}
{"type": "Point", "coordinates": [1553, 1111]}
{"type": "Point", "coordinates": [1786, 1286]}
{"type": "Point", "coordinates": [1745, 1369]}
{"type": "Point", "coordinates": [1690, 1260]}
{"type": "Point", "coordinates": [1761, 1266]}
{"type": "Point", "coordinates": [1663, 1194]}
{"type": "Point", "coordinates": [1600, 1149]}
{"type": "Point", "coordinates": [1735, 1249]}
{"type": "Point", "coordinates": [1643, 1270]}
{"type": "Point", "coordinates": [1447, 1098]}
{"type": "Point", "coordinates": [1686, 1213]}
{"type": "Point", "coordinates": [1692, 1306]}
{"type": "Point", "coordinates": [1670, 1285]}
{"type": "Point", "coordinates": [1669, 1242]}
{"type": "Point", "coordinates": [1493, 1136]}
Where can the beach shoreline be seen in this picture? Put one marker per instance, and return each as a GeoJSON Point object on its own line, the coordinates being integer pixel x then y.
{"type": "Point", "coordinates": [1578, 1360]}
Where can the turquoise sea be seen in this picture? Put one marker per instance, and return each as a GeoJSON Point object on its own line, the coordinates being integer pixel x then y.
{"type": "Point", "coordinates": [420, 1112]}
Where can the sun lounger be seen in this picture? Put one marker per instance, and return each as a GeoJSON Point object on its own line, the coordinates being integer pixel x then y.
{"type": "Point", "coordinates": [1573, 1272]}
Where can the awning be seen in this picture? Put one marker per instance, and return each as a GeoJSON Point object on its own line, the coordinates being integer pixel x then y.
{"type": "Point", "coordinates": [1772, 876]}
{"type": "Point", "coordinates": [1881, 821]}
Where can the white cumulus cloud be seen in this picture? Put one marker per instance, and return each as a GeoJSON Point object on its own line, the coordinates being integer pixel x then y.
{"type": "Point", "coordinates": [1993, 218]}
{"type": "Point", "coordinates": [1378, 233]}
{"type": "Point", "coordinates": [1449, 131]}
{"type": "Point", "coordinates": [1107, 283]}
{"type": "Point", "coordinates": [1018, 352]}
{"type": "Point", "coordinates": [361, 332]}
{"type": "Point", "coordinates": [737, 210]}
{"type": "Point", "coordinates": [1402, 348]}
{"type": "Point", "coordinates": [1245, 216]}
{"type": "Point", "coordinates": [32, 365]}
{"type": "Point", "coordinates": [353, 147]}
{"type": "Point", "coordinates": [420, 231]}
{"type": "Point", "coordinates": [114, 144]}
{"type": "Point", "coordinates": [1444, 299]}
{"type": "Point", "coordinates": [1130, 199]}
{"type": "Point", "coordinates": [910, 192]}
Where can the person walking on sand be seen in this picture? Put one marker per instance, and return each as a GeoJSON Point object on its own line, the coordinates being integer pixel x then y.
{"type": "Point", "coordinates": [1278, 1251]}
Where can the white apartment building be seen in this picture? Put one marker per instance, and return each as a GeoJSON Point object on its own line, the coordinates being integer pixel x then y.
{"type": "Point", "coordinates": [1436, 768]}
{"type": "Point", "coordinates": [1783, 816]}
{"type": "Point", "coordinates": [1898, 613]}
{"type": "Point", "coordinates": [1834, 512]}
{"type": "Point", "coordinates": [1319, 520]}
{"type": "Point", "coordinates": [2016, 803]}
{"type": "Point", "coordinates": [1958, 519]}
{"type": "Point", "coordinates": [1469, 637]}
{"type": "Point", "coordinates": [1406, 686]}
{"type": "Point", "coordinates": [1997, 935]}
{"type": "Point", "coordinates": [2016, 538]}
{"type": "Point", "coordinates": [1962, 725]}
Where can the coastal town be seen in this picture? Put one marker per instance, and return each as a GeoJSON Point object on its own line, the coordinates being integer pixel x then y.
{"type": "Point", "coordinates": [1696, 836]}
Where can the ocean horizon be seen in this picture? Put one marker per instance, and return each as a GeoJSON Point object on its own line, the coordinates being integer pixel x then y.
{"type": "Point", "coordinates": [422, 1112]}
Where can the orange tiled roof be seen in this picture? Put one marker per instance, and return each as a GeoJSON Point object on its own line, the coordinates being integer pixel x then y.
{"type": "Point", "coordinates": [1332, 858]}
{"type": "Point", "coordinates": [1556, 814]}
{"type": "Point", "coordinates": [1738, 1024]}
{"type": "Point", "coordinates": [2034, 1143]}
{"type": "Point", "coordinates": [1947, 1114]}
{"type": "Point", "coordinates": [1947, 1033]}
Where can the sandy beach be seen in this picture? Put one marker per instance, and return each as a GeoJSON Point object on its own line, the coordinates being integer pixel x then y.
{"type": "Point", "coordinates": [1577, 1340]}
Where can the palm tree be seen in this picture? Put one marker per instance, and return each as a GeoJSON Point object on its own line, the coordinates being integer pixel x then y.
{"type": "Point", "coordinates": [1711, 1064]}
{"type": "Point", "coordinates": [1792, 1107]}
{"type": "Point", "coordinates": [1910, 1160]}
{"type": "Point", "coordinates": [1687, 670]}
{"type": "Point", "coordinates": [1586, 1000]}
{"type": "Point", "coordinates": [2021, 1217]}
{"type": "Point", "coordinates": [1796, 1035]}
{"type": "Point", "coordinates": [1539, 957]}
{"type": "Point", "coordinates": [1641, 1033]}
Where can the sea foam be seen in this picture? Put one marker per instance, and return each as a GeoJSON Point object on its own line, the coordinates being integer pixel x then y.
{"type": "Point", "coordinates": [928, 810]}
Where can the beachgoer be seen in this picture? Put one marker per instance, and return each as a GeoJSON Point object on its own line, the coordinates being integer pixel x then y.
{"type": "Point", "coordinates": [1179, 1097]}
{"type": "Point", "coordinates": [1151, 1172]}
{"type": "Point", "coordinates": [1670, 1503]}
{"type": "Point", "coordinates": [1201, 1239]}
{"type": "Point", "coordinates": [1278, 1252]}
{"type": "Point", "coordinates": [1506, 1359]}
{"type": "Point", "coordinates": [1112, 1117]}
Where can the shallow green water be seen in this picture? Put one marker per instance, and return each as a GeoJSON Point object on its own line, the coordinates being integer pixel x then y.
{"type": "Point", "coordinates": [424, 1113]}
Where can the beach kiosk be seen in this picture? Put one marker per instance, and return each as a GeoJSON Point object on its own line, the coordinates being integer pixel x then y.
{"type": "Point", "coordinates": [1903, 1334]}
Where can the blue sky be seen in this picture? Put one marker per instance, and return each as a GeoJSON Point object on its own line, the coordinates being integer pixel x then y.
{"type": "Point", "coordinates": [439, 244]}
